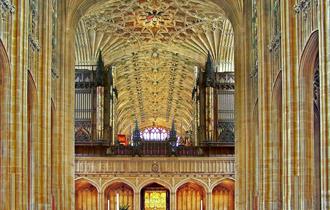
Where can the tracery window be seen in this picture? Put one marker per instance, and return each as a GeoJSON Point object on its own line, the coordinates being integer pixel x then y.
{"type": "Point", "coordinates": [154, 134]}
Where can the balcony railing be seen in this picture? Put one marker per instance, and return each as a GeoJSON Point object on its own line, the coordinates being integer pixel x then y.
{"type": "Point", "coordinates": [147, 148]}
{"type": "Point", "coordinates": [224, 165]}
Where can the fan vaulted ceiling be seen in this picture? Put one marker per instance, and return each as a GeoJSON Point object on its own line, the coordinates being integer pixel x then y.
{"type": "Point", "coordinates": [154, 46]}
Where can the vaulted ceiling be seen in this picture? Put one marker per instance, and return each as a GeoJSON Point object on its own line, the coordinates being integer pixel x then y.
{"type": "Point", "coordinates": [154, 46]}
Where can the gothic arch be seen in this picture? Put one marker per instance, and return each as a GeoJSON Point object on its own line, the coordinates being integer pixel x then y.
{"type": "Point", "coordinates": [4, 120]}
{"type": "Point", "coordinates": [256, 155]}
{"type": "Point", "coordinates": [197, 181]}
{"type": "Point", "coordinates": [192, 195]}
{"type": "Point", "coordinates": [32, 135]}
{"type": "Point", "coordinates": [276, 145]}
{"type": "Point", "coordinates": [221, 181]}
{"type": "Point", "coordinates": [223, 195]}
{"type": "Point", "coordinates": [309, 144]}
{"type": "Point", "coordinates": [157, 181]}
{"type": "Point", "coordinates": [89, 181]}
{"type": "Point", "coordinates": [118, 180]}
{"type": "Point", "coordinates": [118, 190]}
{"type": "Point", "coordinates": [86, 194]}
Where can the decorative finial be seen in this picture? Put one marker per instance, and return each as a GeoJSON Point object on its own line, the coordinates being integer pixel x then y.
{"type": "Point", "coordinates": [173, 131]}
{"type": "Point", "coordinates": [100, 70]}
{"type": "Point", "coordinates": [136, 132]}
{"type": "Point", "coordinates": [209, 71]}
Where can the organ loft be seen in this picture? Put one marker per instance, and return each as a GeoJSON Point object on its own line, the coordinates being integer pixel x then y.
{"type": "Point", "coordinates": [164, 104]}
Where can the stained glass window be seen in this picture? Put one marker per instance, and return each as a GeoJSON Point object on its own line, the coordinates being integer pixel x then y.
{"type": "Point", "coordinates": [154, 134]}
{"type": "Point", "coordinates": [155, 200]}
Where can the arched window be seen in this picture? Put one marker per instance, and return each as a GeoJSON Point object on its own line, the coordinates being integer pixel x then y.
{"type": "Point", "coordinates": [154, 134]}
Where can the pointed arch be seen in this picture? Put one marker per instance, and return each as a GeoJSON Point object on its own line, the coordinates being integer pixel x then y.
{"type": "Point", "coordinates": [89, 181]}
{"type": "Point", "coordinates": [197, 181]}
{"type": "Point", "coordinates": [192, 195]}
{"type": "Point", "coordinates": [4, 123]}
{"type": "Point", "coordinates": [309, 129]}
{"type": "Point", "coordinates": [118, 180]}
{"type": "Point", "coordinates": [86, 194]}
{"type": "Point", "coordinates": [117, 189]}
{"type": "Point", "coordinates": [157, 181]}
{"type": "Point", "coordinates": [223, 195]}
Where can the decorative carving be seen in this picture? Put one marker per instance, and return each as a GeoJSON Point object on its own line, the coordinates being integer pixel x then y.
{"type": "Point", "coordinates": [155, 167]}
{"type": "Point", "coordinates": [83, 131]}
{"type": "Point", "coordinates": [34, 44]}
{"type": "Point", "coordinates": [316, 85]}
{"type": "Point", "coordinates": [34, 16]}
{"type": "Point", "coordinates": [275, 43]}
{"type": "Point", "coordinates": [155, 46]}
{"type": "Point", "coordinates": [302, 7]}
{"type": "Point", "coordinates": [82, 135]}
{"type": "Point", "coordinates": [6, 8]}
{"type": "Point", "coordinates": [33, 34]}
{"type": "Point", "coordinates": [141, 165]}
{"type": "Point", "coordinates": [226, 132]}
{"type": "Point", "coordinates": [154, 20]}
{"type": "Point", "coordinates": [54, 40]}
{"type": "Point", "coordinates": [225, 80]}
{"type": "Point", "coordinates": [254, 69]}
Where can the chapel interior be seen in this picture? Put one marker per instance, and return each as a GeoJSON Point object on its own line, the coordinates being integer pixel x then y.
{"type": "Point", "coordinates": [164, 104]}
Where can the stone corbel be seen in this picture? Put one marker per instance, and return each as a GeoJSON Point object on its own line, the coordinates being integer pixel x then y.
{"type": "Point", "coordinates": [6, 7]}
{"type": "Point", "coordinates": [302, 7]}
{"type": "Point", "coordinates": [275, 43]}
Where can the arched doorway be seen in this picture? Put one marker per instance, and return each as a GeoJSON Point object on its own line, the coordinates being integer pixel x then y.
{"type": "Point", "coordinates": [309, 122]}
{"type": "Point", "coordinates": [118, 194]}
{"type": "Point", "coordinates": [155, 197]}
{"type": "Point", "coordinates": [223, 196]}
{"type": "Point", "coordinates": [86, 195]}
{"type": "Point", "coordinates": [191, 196]}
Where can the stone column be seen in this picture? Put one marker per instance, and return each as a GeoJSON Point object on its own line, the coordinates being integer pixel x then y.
{"type": "Point", "coordinates": [173, 200]}
{"type": "Point", "coordinates": [137, 199]}
{"type": "Point", "coordinates": [100, 201]}
{"type": "Point", "coordinates": [208, 204]}
{"type": "Point", "coordinates": [324, 31]}
{"type": "Point", "coordinates": [290, 101]}
{"type": "Point", "coordinates": [16, 166]}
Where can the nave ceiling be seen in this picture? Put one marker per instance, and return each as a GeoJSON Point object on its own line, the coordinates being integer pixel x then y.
{"type": "Point", "coordinates": [154, 47]}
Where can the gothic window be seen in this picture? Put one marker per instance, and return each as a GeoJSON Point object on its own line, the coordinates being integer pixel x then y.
{"type": "Point", "coordinates": [154, 134]}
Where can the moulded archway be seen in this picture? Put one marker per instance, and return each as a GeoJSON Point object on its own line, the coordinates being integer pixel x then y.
{"type": "Point", "coordinates": [118, 194]}
{"type": "Point", "coordinates": [191, 196]}
{"type": "Point", "coordinates": [309, 122]}
{"type": "Point", "coordinates": [275, 146]}
{"type": "Point", "coordinates": [155, 196]}
{"type": "Point", "coordinates": [223, 195]}
{"type": "Point", "coordinates": [32, 141]}
{"type": "Point", "coordinates": [157, 181]}
{"type": "Point", "coordinates": [4, 123]}
{"type": "Point", "coordinates": [86, 195]}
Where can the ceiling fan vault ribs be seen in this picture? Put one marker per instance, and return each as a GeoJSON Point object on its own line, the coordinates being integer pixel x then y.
{"type": "Point", "coordinates": [155, 47]}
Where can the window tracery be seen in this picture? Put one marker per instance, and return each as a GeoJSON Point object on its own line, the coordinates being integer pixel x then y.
{"type": "Point", "coordinates": [154, 134]}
